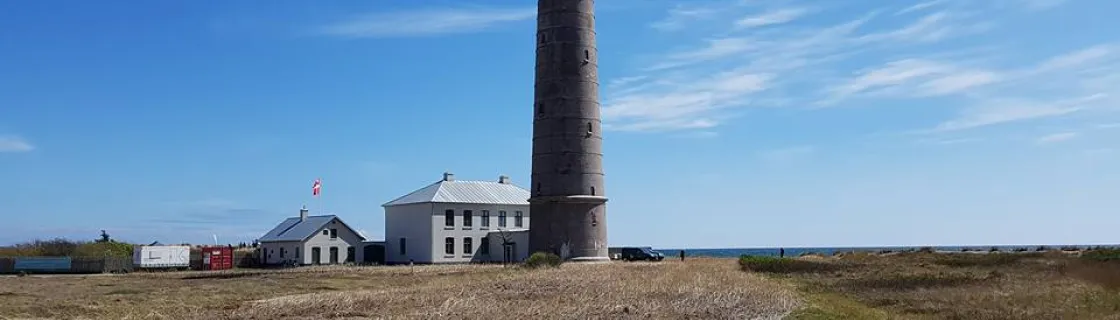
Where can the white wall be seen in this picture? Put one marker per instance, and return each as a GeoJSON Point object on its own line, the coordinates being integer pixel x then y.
{"type": "Point", "coordinates": [270, 251]}
{"type": "Point", "coordinates": [439, 230]}
{"type": "Point", "coordinates": [346, 239]}
{"type": "Point", "coordinates": [410, 222]}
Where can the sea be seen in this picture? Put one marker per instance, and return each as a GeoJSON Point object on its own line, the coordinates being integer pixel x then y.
{"type": "Point", "coordinates": [794, 251]}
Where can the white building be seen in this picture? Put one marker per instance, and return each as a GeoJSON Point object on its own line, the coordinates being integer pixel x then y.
{"type": "Point", "coordinates": [309, 240]}
{"type": "Point", "coordinates": [453, 221]}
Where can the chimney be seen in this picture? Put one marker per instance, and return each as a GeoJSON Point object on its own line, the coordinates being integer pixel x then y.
{"type": "Point", "coordinates": [303, 214]}
{"type": "Point", "coordinates": [447, 176]}
{"type": "Point", "coordinates": [503, 179]}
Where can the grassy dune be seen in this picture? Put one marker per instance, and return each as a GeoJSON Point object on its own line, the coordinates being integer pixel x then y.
{"type": "Point", "coordinates": [698, 289]}
{"type": "Point", "coordinates": [1048, 285]}
{"type": "Point", "coordinates": [1033, 285]}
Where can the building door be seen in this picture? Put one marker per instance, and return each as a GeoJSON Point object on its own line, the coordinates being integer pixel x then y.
{"type": "Point", "coordinates": [334, 255]}
{"type": "Point", "coordinates": [350, 254]}
{"type": "Point", "coordinates": [315, 255]}
{"type": "Point", "coordinates": [507, 252]}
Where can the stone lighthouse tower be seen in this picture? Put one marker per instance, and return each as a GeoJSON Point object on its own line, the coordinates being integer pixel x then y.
{"type": "Point", "coordinates": [568, 200]}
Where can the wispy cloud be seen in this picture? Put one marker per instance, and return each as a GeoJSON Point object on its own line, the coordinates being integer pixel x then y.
{"type": "Point", "coordinates": [867, 56]}
{"type": "Point", "coordinates": [425, 22]}
{"type": "Point", "coordinates": [787, 153]}
{"type": "Point", "coordinates": [914, 78]}
{"type": "Point", "coordinates": [920, 6]}
{"type": "Point", "coordinates": [998, 112]}
{"type": "Point", "coordinates": [774, 17]}
{"type": "Point", "coordinates": [1056, 137]}
{"type": "Point", "coordinates": [683, 105]}
{"type": "Point", "coordinates": [678, 17]}
{"type": "Point", "coordinates": [12, 143]}
{"type": "Point", "coordinates": [1042, 4]}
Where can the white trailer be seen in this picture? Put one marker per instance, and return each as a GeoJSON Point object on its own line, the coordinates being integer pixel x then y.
{"type": "Point", "coordinates": [157, 257]}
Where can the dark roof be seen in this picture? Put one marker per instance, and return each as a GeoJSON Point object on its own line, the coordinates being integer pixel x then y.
{"type": "Point", "coordinates": [292, 229]}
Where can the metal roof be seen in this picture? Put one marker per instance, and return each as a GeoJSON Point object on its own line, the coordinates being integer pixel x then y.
{"type": "Point", "coordinates": [294, 230]}
{"type": "Point", "coordinates": [455, 191]}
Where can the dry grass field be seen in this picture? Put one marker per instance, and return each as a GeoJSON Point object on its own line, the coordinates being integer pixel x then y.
{"type": "Point", "coordinates": [697, 289]}
{"type": "Point", "coordinates": [1050, 285]}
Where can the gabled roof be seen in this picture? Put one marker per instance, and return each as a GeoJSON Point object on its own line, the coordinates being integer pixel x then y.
{"type": "Point", "coordinates": [454, 191]}
{"type": "Point", "coordinates": [294, 230]}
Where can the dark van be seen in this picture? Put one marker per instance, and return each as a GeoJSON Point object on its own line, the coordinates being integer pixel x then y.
{"type": "Point", "coordinates": [640, 254]}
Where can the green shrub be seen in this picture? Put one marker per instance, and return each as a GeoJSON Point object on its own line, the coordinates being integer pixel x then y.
{"type": "Point", "coordinates": [911, 281]}
{"type": "Point", "coordinates": [983, 260]}
{"type": "Point", "coordinates": [1102, 254]}
{"type": "Point", "coordinates": [543, 259]}
{"type": "Point", "coordinates": [784, 265]}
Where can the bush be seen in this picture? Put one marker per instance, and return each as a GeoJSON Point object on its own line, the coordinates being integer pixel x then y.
{"type": "Point", "coordinates": [783, 265]}
{"type": "Point", "coordinates": [543, 259]}
{"type": "Point", "coordinates": [926, 250]}
{"type": "Point", "coordinates": [1102, 254]}
{"type": "Point", "coordinates": [983, 260]}
{"type": "Point", "coordinates": [910, 281]}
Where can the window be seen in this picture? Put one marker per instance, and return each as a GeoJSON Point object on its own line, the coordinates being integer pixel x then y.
{"type": "Point", "coordinates": [484, 246]}
{"type": "Point", "coordinates": [449, 218]}
{"type": "Point", "coordinates": [517, 219]}
{"type": "Point", "coordinates": [485, 218]}
{"type": "Point", "coordinates": [324, 232]}
{"type": "Point", "coordinates": [281, 252]}
{"type": "Point", "coordinates": [467, 248]}
{"type": "Point", "coordinates": [297, 252]}
{"type": "Point", "coordinates": [449, 245]}
{"type": "Point", "coordinates": [402, 245]}
{"type": "Point", "coordinates": [501, 219]}
{"type": "Point", "coordinates": [334, 233]}
{"type": "Point", "coordinates": [467, 217]}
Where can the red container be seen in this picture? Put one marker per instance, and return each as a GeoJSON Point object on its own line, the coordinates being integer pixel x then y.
{"type": "Point", "coordinates": [217, 258]}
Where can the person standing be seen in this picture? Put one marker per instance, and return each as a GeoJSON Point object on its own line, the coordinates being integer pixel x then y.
{"type": "Point", "coordinates": [682, 255]}
{"type": "Point", "coordinates": [781, 252]}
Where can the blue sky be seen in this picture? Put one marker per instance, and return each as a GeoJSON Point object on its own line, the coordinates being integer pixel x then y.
{"type": "Point", "coordinates": [731, 123]}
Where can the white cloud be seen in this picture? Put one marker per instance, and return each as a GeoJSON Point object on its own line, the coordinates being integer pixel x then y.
{"type": "Point", "coordinates": [699, 87]}
{"type": "Point", "coordinates": [426, 22]}
{"type": "Point", "coordinates": [920, 6]}
{"type": "Point", "coordinates": [913, 78]}
{"type": "Point", "coordinates": [680, 15]}
{"type": "Point", "coordinates": [1042, 4]}
{"type": "Point", "coordinates": [788, 153]}
{"type": "Point", "coordinates": [772, 17]}
{"type": "Point", "coordinates": [1077, 58]}
{"type": "Point", "coordinates": [1056, 137]}
{"type": "Point", "coordinates": [998, 112]}
{"type": "Point", "coordinates": [933, 27]}
{"type": "Point", "coordinates": [11, 143]}
{"type": "Point", "coordinates": [682, 106]}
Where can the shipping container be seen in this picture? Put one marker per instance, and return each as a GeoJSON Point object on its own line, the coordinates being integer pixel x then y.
{"type": "Point", "coordinates": [217, 258]}
{"type": "Point", "coordinates": [156, 257]}
{"type": "Point", "coordinates": [42, 264]}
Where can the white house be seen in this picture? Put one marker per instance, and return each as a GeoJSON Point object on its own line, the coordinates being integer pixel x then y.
{"type": "Point", "coordinates": [308, 240]}
{"type": "Point", "coordinates": [452, 221]}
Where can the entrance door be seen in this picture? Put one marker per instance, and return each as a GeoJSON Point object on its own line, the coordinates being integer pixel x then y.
{"type": "Point", "coordinates": [507, 252]}
{"type": "Point", "coordinates": [315, 255]}
{"type": "Point", "coordinates": [334, 255]}
{"type": "Point", "coordinates": [351, 254]}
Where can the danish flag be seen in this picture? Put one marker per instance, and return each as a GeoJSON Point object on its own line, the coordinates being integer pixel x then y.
{"type": "Point", "coordinates": [316, 187]}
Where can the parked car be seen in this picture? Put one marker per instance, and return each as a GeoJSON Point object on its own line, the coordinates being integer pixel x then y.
{"type": "Point", "coordinates": [640, 253]}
